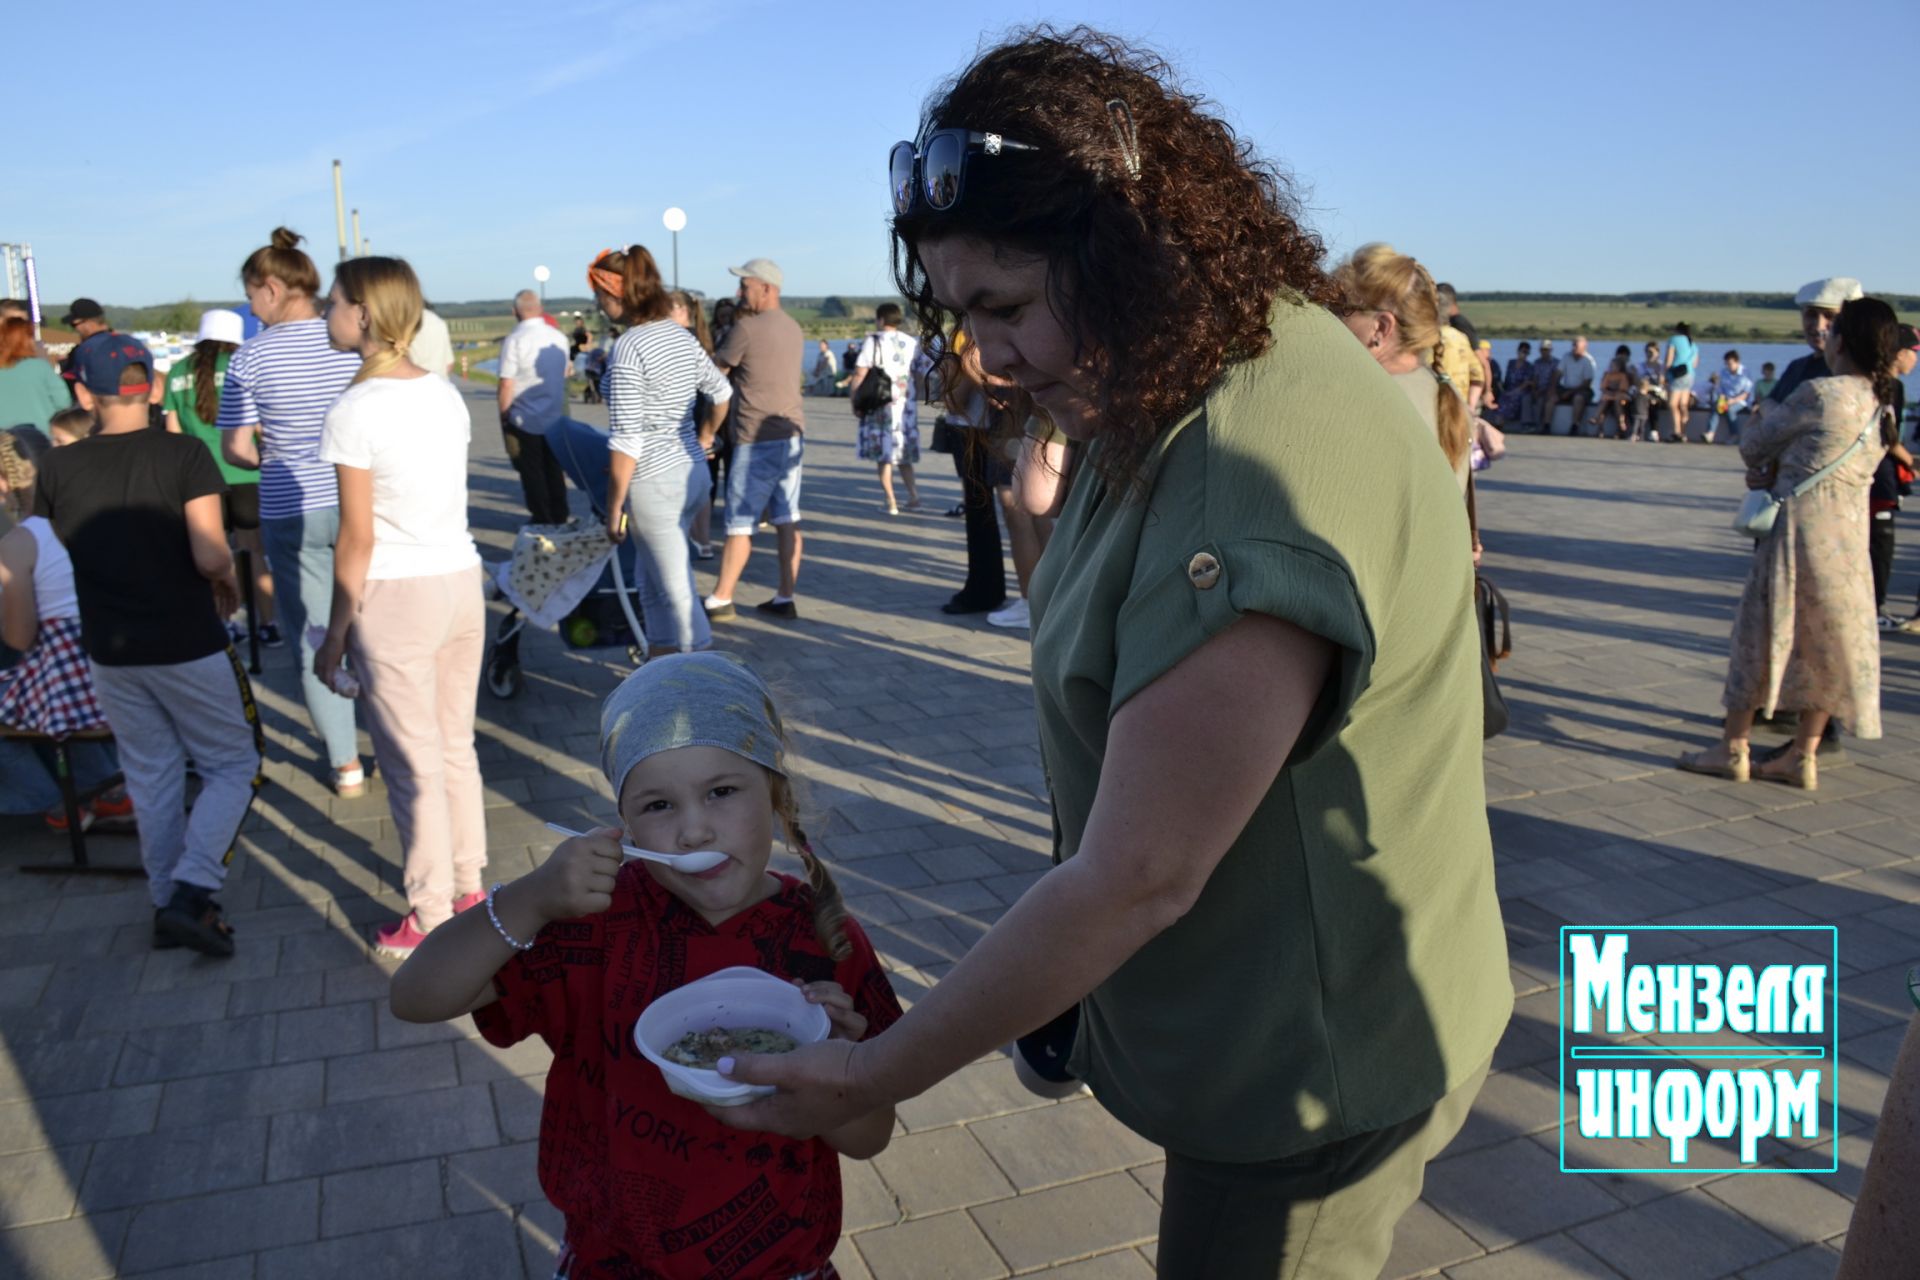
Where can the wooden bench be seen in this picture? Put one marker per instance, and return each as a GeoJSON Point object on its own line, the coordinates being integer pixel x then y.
{"type": "Point", "coordinates": [70, 799]}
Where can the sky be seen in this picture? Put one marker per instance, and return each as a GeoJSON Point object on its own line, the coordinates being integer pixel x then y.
{"type": "Point", "coordinates": [1546, 148]}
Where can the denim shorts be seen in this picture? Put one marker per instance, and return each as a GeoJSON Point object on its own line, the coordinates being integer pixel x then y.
{"type": "Point", "coordinates": [765, 476]}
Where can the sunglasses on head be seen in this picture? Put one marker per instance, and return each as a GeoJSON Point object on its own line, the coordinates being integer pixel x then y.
{"type": "Point", "coordinates": [934, 172]}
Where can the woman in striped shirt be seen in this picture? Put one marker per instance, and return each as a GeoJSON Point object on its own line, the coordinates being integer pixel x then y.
{"type": "Point", "coordinates": [281, 382]}
{"type": "Point", "coordinates": [658, 478]}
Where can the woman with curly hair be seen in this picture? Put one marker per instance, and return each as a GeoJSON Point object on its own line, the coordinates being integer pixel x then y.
{"type": "Point", "coordinates": [1270, 941]}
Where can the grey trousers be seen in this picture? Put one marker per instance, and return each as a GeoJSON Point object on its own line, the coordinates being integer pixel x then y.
{"type": "Point", "coordinates": [162, 717]}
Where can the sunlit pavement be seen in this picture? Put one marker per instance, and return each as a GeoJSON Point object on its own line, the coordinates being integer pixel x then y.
{"type": "Point", "coordinates": [266, 1116]}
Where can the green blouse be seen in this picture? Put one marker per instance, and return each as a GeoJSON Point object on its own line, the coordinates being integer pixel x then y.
{"type": "Point", "coordinates": [1345, 965]}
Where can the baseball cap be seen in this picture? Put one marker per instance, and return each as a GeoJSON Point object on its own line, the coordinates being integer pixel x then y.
{"type": "Point", "coordinates": [97, 364]}
{"type": "Point", "coordinates": [221, 325]}
{"type": "Point", "coordinates": [82, 309]}
{"type": "Point", "coordinates": [1828, 294]}
{"type": "Point", "coordinates": [760, 269]}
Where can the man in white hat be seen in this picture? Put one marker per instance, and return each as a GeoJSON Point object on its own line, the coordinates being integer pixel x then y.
{"type": "Point", "coordinates": [761, 355]}
{"type": "Point", "coordinates": [1819, 304]}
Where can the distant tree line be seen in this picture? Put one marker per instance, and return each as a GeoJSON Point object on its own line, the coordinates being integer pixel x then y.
{"type": "Point", "coordinates": [1677, 298]}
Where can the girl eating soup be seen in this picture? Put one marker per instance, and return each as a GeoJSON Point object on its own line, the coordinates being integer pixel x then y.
{"type": "Point", "coordinates": [650, 1183]}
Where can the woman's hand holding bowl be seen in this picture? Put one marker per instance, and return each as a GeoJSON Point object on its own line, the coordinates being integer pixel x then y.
{"type": "Point", "coordinates": [821, 1087]}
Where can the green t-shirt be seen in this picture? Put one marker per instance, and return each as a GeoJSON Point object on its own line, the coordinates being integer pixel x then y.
{"type": "Point", "coordinates": [182, 401]}
{"type": "Point", "coordinates": [1345, 966]}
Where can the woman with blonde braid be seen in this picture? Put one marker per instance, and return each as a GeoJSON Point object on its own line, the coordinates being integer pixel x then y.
{"type": "Point", "coordinates": [407, 600]}
{"type": "Point", "coordinates": [1389, 303]}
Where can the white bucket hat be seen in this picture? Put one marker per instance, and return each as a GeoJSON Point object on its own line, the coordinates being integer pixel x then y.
{"type": "Point", "coordinates": [220, 325]}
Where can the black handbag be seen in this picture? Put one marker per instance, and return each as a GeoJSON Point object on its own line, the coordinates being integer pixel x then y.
{"type": "Point", "coordinates": [1496, 634]}
{"type": "Point", "coordinates": [948, 437]}
{"type": "Point", "coordinates": [1496, 642]}
{"type": "Point", "coordinates": [875, 391]}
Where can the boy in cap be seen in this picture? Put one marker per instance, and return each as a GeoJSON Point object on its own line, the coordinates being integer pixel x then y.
{"type": "Point", "coordinates": [139, 514]}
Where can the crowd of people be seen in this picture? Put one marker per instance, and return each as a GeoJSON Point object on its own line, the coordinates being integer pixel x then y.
{"type": "Point", "coordinates": [1631, 394]}
{"type": "Point", "coordinates": [1139, 344]}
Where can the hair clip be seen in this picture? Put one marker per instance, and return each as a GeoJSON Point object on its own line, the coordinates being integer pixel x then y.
{"type": "Point", "coordinates": [1121, 117]}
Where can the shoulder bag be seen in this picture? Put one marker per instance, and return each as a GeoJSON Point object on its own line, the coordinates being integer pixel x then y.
{"type": "Point", "coordinates": [876, 389]}
{"type": "Point", "coordinates": [1496, 637]}
{"type": "Point", "coordinates": [1761, 507]}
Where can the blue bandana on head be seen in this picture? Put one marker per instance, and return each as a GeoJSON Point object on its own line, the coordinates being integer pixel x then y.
{"type": "Point", "coordinates": [689, 700]}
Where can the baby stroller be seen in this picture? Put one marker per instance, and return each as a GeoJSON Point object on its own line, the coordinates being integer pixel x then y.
{"type": "Point", "coordinates": [568, 576]}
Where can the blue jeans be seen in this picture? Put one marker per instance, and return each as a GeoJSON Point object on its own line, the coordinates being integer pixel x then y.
{"type": "Point", "coordinates": [300, 552]}
{"type": "Point", "coordinates": [762, 473]}
{"type": "Point", "coordinates": [27, 783]}
{"type": "Point", "coordinates": [660, 509]}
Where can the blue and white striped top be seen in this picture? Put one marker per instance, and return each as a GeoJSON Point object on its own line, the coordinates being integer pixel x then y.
{"type": "Point", "coordinates": [285, 379]}
{"type": "Point", "coordinates": [652, 378]}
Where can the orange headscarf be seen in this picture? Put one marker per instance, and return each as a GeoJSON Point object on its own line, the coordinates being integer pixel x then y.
{"type": "Point", "coordinates": [604, 280]}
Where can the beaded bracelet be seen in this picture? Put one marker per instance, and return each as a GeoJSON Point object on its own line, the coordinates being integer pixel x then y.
{"type": "Point", "coordinates": [501, 929]}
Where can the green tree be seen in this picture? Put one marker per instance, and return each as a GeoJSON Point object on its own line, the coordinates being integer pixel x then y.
{"type": "Point", "coordinates": [833, 307]}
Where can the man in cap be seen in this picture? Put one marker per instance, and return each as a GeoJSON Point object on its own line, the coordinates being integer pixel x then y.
{"type": "Point", "coordinates": [86, 319]}
{"type": "Point", "coordinates": [761, 354]}
{"type": "Point", "coordinates": [1819, 304]}
{"type": "Point", "coordinates": [1546, 377]}
{"type": "Point", "coordinates": [139, 514]}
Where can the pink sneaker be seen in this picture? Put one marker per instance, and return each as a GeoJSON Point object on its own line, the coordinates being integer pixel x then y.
{"type": "Point", "coordinates": [473, 899]}
{"type": "Point", "coordinates": [399, 938]}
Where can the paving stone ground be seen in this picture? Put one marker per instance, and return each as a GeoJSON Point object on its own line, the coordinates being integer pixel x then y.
{"type": "Point", "coordinates": [165, 1114]}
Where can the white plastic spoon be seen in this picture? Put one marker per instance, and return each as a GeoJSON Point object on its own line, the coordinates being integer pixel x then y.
{"type": "Point", "coordinates": [690, 863]}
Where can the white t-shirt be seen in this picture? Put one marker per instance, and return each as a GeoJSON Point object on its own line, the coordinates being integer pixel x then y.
{"type": "Point", "coordinates": [534, 355]}
{"type": "Point", "coordinates": [432, 347]}
{"type": "Point", "coordinates": [412, 433]}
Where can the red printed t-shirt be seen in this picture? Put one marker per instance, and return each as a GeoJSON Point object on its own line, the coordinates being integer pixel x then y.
{"type": "Point", "coordinates": [650, 1184]}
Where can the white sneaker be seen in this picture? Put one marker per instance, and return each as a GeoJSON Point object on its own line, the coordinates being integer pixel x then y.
{"type": "Point", "coordinates": [1014, 615]}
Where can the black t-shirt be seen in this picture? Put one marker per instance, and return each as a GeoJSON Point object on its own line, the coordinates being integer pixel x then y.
{"type": "Point", "coordinates": [118, 503]}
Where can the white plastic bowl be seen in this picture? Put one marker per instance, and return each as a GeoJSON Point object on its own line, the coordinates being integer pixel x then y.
{"type": "Point", "coordinates": [736, 997]}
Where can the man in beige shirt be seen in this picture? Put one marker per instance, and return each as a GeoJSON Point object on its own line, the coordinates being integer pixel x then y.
{"type": "Point", "coordinates": [762, 355]}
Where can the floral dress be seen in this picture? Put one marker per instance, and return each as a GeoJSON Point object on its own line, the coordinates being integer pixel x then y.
{"type": "Point", "coordinates": [893, 434]}
{"type": "Point", "coordinates": [1805, 637]}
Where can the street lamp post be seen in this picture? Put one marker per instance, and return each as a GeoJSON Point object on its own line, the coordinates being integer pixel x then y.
{"type": "Point", "coordinates": [674, 219]}
{"type": "Point", "coordinates": [542, 275]}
